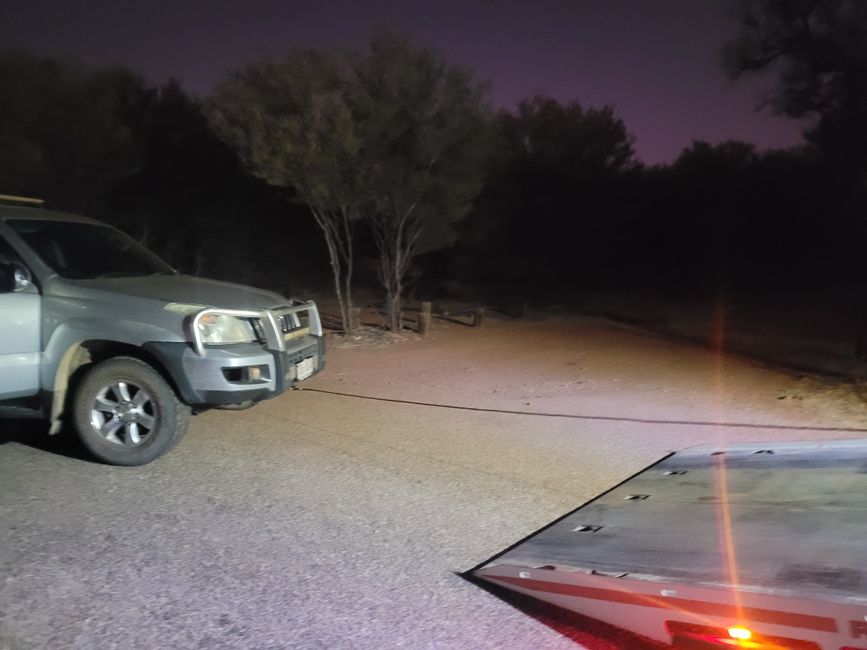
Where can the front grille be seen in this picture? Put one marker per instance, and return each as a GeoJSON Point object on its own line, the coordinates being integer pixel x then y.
{"type": "Point", "coordinates": [292, 323]}
{"type": "Point", "coordinates": [299, 355]}
{"type": "Point", "coordinates": [289, 323]}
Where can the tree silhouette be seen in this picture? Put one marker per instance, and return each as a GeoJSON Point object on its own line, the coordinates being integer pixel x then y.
{"type": "Point", "coordinates": [64, 130]}
{"type": "Point", "coordinates": [818, 51]}
{"type": "Point", "coordinates": [190, 200]}
{"type": "Point", "coordinates": [568, 134]}
{"type": "Point", "coordinates": [555, 201]}
{"type": "Point", "coordinates": [293, 123]}
{"type": "Point", "coordinates": [427, 139]}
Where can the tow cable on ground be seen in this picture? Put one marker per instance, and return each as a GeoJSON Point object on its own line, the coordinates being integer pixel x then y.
{"type": "Point", "coordinates": [577, 416]}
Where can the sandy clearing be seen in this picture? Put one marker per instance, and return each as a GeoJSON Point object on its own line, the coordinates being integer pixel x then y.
{"type": "Point", "coordinates": [586, 366]}
{"type": "Point", "coordinates": [319, 520]}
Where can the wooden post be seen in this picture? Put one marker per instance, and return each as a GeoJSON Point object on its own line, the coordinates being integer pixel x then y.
{"type": "Point", "coordinates": [478, 316]}
{"type": "Point", "coordinates": [355, 317]}
{"type": "Point", "coordinates": [426, 307]}
{"type": "Point", "coordinates": [424, 320]}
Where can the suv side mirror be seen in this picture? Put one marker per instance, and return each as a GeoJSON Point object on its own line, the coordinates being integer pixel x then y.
{"type": "Point", "coordinates": [14, 277]}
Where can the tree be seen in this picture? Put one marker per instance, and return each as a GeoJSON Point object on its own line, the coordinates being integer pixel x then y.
{"type": "Point", "coordinates": [818, 51]}
{"type": "Point", "coordinates": [427, 139]}
{"type": "Point", "coordinates": [64, 133]}
{"type": "Point", "coordinates": [568, 134]}
{"type": "Point", "coordinates": [552, 211]}
{"type": "Point", "coordinates": [185, 199]}
{"type": "Point", "coordinates": [393, 134]}
{"type": "Point", "coordinates": [292, 122]}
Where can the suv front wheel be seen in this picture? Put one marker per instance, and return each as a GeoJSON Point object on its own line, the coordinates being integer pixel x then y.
{"type": "Point", "coordinates": [126, 414]}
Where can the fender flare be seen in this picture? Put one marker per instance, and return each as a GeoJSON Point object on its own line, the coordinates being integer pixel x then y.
{"type": "Point", "coordinates": [69, 349]}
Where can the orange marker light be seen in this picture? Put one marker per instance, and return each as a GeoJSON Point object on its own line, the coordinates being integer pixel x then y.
{"type": "Point", "coordinates": [740, 633]}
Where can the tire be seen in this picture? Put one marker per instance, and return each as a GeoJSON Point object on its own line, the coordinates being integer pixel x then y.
{"type": "Point", "coordinates": [126, 414]}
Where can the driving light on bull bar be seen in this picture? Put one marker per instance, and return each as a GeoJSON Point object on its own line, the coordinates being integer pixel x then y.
{"type": "Point", "coordinates": [216, 329]}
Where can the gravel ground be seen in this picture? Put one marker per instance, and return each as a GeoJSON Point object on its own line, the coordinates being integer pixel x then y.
{"type": "Point", "coordinates": [318, 520]}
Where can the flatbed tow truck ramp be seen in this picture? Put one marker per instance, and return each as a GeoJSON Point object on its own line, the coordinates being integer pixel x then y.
{"type": "Point", "coordinates": [736, 546]}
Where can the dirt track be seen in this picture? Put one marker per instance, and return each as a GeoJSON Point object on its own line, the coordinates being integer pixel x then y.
{"type": "Point", "coordinates": [320, 520]}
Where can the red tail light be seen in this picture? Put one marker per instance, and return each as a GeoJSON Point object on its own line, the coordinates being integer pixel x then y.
{"type": "Point", "coordinates": [688, 636]}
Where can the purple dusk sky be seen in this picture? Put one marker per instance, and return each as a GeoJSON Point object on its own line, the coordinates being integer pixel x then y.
{"type": "Point", "coordinates": [656, 61]}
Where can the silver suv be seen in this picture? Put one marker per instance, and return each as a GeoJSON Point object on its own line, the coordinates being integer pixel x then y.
{"type": "Point", "coordinates": [98, 331]}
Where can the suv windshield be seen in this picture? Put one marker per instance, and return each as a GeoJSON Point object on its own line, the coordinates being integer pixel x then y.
{"type": "Point", "coordinates": [84, 251]}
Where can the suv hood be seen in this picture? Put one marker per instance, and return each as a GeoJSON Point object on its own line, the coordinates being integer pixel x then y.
{"type": "Point", "coordinates": [187, 290]}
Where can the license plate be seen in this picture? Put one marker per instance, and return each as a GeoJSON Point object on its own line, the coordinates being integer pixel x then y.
{"type": "Point", "coordinates": [303, 369]}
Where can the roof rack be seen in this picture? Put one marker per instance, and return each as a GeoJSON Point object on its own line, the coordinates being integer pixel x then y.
{"type": "Point", "coordinates": [10, 198]}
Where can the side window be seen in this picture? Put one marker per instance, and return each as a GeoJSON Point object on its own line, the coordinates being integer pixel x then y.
{"type": "Point", "coordinates": [7, 253]}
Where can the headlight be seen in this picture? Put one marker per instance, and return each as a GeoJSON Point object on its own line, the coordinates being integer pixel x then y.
{"type": "Point", "coordinates": [217, 329]}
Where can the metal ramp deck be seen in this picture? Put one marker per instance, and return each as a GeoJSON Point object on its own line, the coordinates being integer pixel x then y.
{"type": "Point", "coordinates": [772, 526]}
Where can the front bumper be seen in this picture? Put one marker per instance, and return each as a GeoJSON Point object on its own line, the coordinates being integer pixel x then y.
{"type": "Point", "coordinates": [232, 374]}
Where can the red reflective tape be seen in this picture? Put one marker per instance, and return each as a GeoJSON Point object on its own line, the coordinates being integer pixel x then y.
{"type": "Point", "coordinates": [774, 617]}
